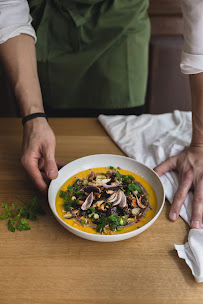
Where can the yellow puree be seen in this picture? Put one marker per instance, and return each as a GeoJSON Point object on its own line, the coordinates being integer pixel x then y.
{"type": "Point", "coordinates": [73, 222]}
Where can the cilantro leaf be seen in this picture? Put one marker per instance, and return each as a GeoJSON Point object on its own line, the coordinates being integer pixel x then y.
{"type": "Point", "coordinates": [135, 187]}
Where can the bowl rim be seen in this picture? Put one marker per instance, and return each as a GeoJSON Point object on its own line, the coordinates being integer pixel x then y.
{"type": "Point", "coordinates": [106, 236]}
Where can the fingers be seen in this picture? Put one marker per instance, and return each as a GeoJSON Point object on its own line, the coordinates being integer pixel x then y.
{"type": "Point", "coordinates": [167, 165]}
{"type": "Point", "coordinates": [197, 210]}
{"type": "Point", "coordinates": [180, 195]}
{"type": "Point", "coordinates": [50, 166]}
{"type": "Point", "coordinates": [30, 164]}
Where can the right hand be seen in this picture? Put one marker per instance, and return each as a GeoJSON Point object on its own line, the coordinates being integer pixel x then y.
{"type": "Point", "coordinates": [38, 152]}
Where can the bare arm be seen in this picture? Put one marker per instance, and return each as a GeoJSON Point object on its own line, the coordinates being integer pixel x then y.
{"type": "Point", "coordinates": [19, 59]}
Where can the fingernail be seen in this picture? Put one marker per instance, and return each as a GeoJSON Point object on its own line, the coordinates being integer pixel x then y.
{"type": "Point", "coordinates": [52, 173]}
{"type": "Point", "coordinates": [173, 216]}
{"type": "Point", "coordinates": [195, 224]}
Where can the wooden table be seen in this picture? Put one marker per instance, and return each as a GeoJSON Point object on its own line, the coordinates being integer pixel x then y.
{"type": "Point", "coordinates": [50, 265]}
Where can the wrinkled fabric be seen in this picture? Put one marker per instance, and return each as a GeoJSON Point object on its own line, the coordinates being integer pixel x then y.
{"type": "Point", "coordinates": [151, 139]}
{"type": "Point", "coordinates": [92, 54]}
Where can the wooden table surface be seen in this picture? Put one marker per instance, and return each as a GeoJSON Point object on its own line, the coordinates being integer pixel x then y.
{"type": "Point", "coordinates": [48, 264]}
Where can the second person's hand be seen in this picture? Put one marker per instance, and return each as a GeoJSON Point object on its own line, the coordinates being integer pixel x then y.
{"type": "Point", "coordinates": [189, 165]}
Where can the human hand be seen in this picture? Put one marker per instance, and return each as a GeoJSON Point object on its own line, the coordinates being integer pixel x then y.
{"type": "Point", "coordinates": [38, 150]}
{"type": "Point", "coordinates": [189, 165]}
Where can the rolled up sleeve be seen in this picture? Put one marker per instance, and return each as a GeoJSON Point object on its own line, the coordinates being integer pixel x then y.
{"type": "Point", "coordinates": [192, 56]}
{"type": "Point", "coordinates": [15, 19]}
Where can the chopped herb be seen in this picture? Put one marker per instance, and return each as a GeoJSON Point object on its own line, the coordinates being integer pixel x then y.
{"type": "Point", "coordinates": [21, 214]}
{"type": "Point", "coordinates": [135, 187]}
{"type": "Point", "coordinates": [118, 175]}
{"type": "Point", "coordinates": [111, 167]}
{"type": "Point", "coordinates": [63, 194]}
{"type": "Point", "coordinates": [83, 222]}
{"type": "Point", "coordinates": [92, 209]}
{"type": "Point", "coordinates": [112, 226]}
{"type": "Point", "coordinates": [115, 219]}
{"type": "Point", "coordinates": [102, 223]}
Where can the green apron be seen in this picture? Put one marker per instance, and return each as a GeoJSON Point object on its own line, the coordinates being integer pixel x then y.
{"type": "Point", "coordinates": [92, 54]}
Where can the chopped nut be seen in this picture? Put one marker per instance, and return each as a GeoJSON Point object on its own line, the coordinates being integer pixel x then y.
{"type": "Point", "coordinates": [102, 207]}
{"type": "Point", "coordinates": [134, 203]}
{"type": "Point", "coordinates": [98, 195]}
{"type": "Point", "coordinates": [109, 191]}
{"type": "Point", "coordinates": [68, 215]}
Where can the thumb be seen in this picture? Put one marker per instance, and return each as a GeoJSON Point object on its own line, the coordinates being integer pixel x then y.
{"type": "Point", "coordinates": [168, 165]}
{"type": "Point", "coordinates": [50, 166]}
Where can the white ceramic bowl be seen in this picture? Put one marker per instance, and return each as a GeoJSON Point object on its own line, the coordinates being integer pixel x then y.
{"type": "Point", "coordinates": [106, 160]}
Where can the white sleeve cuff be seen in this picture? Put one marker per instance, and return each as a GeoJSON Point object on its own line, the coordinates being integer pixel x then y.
{"type": "Point", "coordinates": [15, 30]}
{"type": "Point", "coordinates": [191, 64]}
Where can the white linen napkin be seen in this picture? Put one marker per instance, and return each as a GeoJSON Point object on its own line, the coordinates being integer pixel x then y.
{"type": "Point", "coordinates": [150, 139]}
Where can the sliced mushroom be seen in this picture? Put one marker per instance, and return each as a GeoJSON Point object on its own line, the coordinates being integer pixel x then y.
{"type": "Point", "coordinates": [88, 202]}
{"type": "Point", "coordinates": [118, 198]}
{"type": "Point", "coordinates": [139, 203]}
{"type": "Point", "coordinates": [98, 203]}
{"type": "Point", "coordinates": [112, 198]}
{"type": "Point", "coordinates": [75, 213]}
{"type": "Point", "coordinates": [68, 215]}
{"type": "Point", "coordinates": [91, 176]}
{"type": "Point", "coordinates": [114, 185]}
{"type": "Point", "coordinates": [123, 201]}
{"type": "Point", "coordinates": [102, 182]}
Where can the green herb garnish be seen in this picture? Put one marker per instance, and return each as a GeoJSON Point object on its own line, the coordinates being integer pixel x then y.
{"type": "Point", "coordinates": [135, 187]}
{"type": "Point", "coordinates": [21, 214]}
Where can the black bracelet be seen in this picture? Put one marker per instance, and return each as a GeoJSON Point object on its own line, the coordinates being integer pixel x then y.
{"type": "Point", "coordinates": [32, 116]}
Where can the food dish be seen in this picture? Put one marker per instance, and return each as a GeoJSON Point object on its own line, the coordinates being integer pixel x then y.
{"type": "Point", "coordinates": [106, 201]}
{"type": "Point", "coordinates": [86, 164]}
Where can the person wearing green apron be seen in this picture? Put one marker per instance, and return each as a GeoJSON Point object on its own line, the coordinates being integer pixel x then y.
{"type": "Point", "coordinates": [92, 54]}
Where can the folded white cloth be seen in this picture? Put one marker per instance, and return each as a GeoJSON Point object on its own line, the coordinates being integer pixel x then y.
{"type": "Point", "coordinates": [150, 139]}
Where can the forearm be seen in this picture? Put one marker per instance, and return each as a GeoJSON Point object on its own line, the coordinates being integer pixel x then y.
{"type": "Point", "coordinates": [196, 84]}
{"type": "Point", "coordinates": [19, 59]}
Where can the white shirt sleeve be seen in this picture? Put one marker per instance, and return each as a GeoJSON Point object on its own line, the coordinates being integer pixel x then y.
{"type": "Point", "coordinates": [15, 19]}
{"type": "Point", "coordinates": [192, 56]}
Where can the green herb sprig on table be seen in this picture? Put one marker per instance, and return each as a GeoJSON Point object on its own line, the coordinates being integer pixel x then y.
{"type": "Point", "coordinates": [18, 215]}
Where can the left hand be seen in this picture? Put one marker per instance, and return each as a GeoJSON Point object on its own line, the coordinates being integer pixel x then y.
{"type": "Point", "coordinates": [189, 165]}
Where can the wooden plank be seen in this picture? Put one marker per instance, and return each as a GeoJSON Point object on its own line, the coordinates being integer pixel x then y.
{"type": "Point", "coordinates": [49, 265]}
{"type": "Point", "coordinates": [164, 7]}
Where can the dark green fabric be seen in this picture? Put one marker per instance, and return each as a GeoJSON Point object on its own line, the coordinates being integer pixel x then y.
{"type": "Point", "coordinates": [92, 53]}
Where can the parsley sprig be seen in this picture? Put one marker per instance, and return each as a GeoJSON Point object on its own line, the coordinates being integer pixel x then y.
{"type": "Point", "coordinates": [18, 214]}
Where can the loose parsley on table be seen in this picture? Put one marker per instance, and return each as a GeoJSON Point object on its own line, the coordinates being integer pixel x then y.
{"type": "Point", "coordinates": [18, 215]}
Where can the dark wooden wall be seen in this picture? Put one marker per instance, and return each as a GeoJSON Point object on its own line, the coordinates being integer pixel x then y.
{"type": "Point", "coordinates": [168, 89]}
